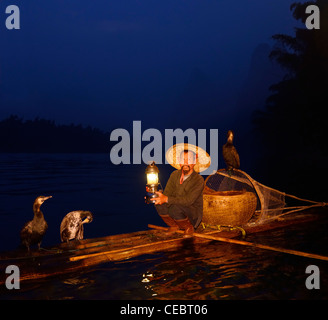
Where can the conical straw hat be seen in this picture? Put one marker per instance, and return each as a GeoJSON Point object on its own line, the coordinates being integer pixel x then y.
{"type": "Point", "coordinates": [203, 160]}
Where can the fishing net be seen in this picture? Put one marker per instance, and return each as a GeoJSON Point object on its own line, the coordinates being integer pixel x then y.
{"type": "Point", "coordinates": [270, 202]}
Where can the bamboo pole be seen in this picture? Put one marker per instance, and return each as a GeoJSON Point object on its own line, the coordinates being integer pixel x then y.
{"type": "Point", "coordinates": [283, 193]}
{"type": "Point", "coordinates": [250, 244]}
{"type": "Point", "coordinates": [127, 248]}
{"type": "Point", "coordinates": [118, 251]}
{"type": "Point", "coordinates": [293, 211]}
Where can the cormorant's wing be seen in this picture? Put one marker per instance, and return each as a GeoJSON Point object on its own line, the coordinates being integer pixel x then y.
{"type": "Point", "coordinates": [236, 157]}
{"type": "Point", "coordinates": [27, 228]}
{"type": "Point", "coordinates": [63, 228]}
{"type": "Point", "coordinates": [80, 233]}
{"type": "Point", "coordinates": [70, 225]}
{"type": "Point", "coordinates": [231, 156]}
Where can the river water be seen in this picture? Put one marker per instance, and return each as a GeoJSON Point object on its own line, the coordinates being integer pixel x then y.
{"type": "Point", "coordinates": [114, 194]}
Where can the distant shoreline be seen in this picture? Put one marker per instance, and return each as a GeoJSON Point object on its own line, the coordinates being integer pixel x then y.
{"type": "Point", "coordinates": [45, 136]}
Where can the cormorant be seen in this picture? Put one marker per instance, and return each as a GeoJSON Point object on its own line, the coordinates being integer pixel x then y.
{"type": "Point", "coordinates": [230, 154]}
{"type": "Point", "coordinates": [72, 225]}
{"type": "Point", "coordinates": [34, 230]}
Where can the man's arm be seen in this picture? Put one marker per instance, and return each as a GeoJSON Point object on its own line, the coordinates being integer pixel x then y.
{"type": "Point", "coordinates": [169, 190]}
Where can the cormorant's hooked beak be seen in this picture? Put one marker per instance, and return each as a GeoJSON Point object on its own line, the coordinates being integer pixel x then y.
{"type": "Point", "coordinates": [41, 199]}
{"type": "Point", "coordinates": [44, 199]}
{"type": "Point", "coordinates": [86, 220]}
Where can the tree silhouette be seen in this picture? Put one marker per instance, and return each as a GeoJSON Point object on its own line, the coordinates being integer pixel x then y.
{"type": "Point", "coordinates": [40, 135]}
{"type": "Point", "coordinates": [293, 125]}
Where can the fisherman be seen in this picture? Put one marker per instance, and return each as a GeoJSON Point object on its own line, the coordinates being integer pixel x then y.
{"type": "Point", "coordinates": [181, 203]}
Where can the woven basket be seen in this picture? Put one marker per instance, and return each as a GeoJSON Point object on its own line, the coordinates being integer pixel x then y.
{"type": "Point", "coordinates": [233, 208]}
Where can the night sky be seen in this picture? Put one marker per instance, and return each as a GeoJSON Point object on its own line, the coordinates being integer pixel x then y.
{"type": "Point", "coordinates": [106, 63]}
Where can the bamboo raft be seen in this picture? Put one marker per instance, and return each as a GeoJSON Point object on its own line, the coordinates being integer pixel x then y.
{"type": "Point", "coordinates": [68, 258]}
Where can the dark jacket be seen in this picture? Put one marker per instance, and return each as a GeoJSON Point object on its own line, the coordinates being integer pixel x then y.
{"type": "Point", "coordinates": [189, 193]}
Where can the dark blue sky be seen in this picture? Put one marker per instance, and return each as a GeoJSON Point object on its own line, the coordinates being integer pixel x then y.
{"type": "Point", "coordinates": [106, 63]}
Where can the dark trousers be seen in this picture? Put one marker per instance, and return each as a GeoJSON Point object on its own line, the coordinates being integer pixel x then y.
{"type": "Point", "coordinates": [179, 212]}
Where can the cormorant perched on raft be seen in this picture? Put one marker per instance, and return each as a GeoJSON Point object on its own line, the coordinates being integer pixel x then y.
{"type": "Point", "coordinates": [230, 154]}
{"type": "Point", "coordinates": [72, 225]}
{"type": "Point", "coordinates": [34, 230]}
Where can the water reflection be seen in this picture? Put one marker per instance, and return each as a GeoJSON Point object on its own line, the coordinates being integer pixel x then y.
{"type": "Point", "coordinates": [224, 271]}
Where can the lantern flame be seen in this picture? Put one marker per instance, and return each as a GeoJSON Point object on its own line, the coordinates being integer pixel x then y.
{"type": "Point", "coordinates": [152, 178]}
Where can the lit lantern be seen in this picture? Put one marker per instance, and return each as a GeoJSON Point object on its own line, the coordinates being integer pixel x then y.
{"type": "Point", "coordinates": [152, 182]}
